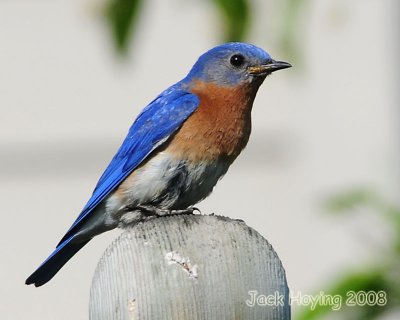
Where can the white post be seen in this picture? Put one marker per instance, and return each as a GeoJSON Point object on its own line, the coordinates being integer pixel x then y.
{"type": "Point", "coordinates": [190, 267]}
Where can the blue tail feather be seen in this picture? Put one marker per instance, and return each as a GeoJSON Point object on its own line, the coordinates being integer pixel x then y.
{"type": "Point", "coordinates": [48, 269]}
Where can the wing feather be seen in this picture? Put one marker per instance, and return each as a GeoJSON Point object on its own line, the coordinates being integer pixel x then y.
{"type": "Point", "coordinates": [157, 122]}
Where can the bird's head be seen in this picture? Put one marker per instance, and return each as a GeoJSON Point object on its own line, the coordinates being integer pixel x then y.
{"type": "Point", "coordinates": [234, 63]}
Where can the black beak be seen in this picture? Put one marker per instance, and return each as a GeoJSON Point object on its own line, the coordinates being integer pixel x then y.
{"type": "Point", "coordinates": [265, 69]}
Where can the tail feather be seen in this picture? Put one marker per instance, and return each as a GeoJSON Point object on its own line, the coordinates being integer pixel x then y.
{"type": "Point", "coordinates": [48, 269]}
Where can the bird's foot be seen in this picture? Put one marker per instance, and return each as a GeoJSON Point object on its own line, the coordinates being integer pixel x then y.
{"type": "Point", "coordinates": [155, 211]}
{"type": "Point", "coordinates": [152, 210]}
{"type": "Point", "coordinates": [132, 215]}
{"type": "Point", "coordinates": [190, 210]}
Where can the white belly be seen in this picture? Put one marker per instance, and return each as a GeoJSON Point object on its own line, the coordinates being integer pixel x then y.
{"type": "Point", "coordinates": [167, 183]}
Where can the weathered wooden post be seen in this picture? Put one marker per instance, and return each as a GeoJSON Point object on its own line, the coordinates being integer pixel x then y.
{"type": "Point", "coordinates": [190, 267]}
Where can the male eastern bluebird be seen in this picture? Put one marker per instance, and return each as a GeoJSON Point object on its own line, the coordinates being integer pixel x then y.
{"type": "Point", "coordinates": [177, 149]}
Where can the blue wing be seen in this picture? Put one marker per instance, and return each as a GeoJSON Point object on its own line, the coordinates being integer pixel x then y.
{"type": "Point", "coordinates": [157, 122]}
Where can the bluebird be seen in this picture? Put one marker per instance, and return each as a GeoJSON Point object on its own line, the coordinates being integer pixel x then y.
{"type": "Point", "coordinates": [177, 149]}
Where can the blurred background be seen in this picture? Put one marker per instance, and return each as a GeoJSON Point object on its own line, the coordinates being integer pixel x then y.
{"type": "Point", "coordinates": [319, 178]}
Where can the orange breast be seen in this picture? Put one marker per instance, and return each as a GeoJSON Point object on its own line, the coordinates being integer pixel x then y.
{"type": "Point", "coordinates": [219, 128]}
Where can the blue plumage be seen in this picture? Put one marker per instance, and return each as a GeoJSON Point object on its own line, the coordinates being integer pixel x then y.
{"type": "Point", "coordinates": [155, 124]}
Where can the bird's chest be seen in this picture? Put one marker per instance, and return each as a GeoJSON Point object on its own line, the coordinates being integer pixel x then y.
{"type": "Point", "coordinates": [220, 127]}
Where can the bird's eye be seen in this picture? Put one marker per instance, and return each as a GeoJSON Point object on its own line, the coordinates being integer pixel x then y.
{"type": "Point", "coordinates": [237, 60]}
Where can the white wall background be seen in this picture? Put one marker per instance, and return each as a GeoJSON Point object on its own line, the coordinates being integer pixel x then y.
{"type": "Point", "coordinates": [66, 103]}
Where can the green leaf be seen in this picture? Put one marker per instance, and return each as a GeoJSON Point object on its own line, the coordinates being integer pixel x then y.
{"type": "Point", "coordinates": [291, 30]}
{"type": "Point", "coordinates": [121, 15]}
{"type": "Point", "coordinates": [350, 200]}
{"type": "Point", "coordinates": [235, 14]}
{"type": "Point", "coordinates": [374, 280]}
